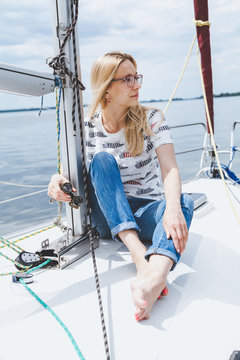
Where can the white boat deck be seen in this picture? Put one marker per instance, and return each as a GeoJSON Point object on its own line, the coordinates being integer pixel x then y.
{"type": "Point", "coordinates": [199, 319]}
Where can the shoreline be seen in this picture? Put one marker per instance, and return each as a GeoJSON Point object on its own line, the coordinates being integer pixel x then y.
{"type": "Point", "coordinates": [142, 102]}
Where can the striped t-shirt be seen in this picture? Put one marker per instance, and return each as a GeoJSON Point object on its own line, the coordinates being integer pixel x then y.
{"type": "Point", "coordinates": [140, 174]}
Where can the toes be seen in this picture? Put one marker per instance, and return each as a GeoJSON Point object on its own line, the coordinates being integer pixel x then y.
{"type": "Point", "coordinates": [147, 316]}
{"type": "Point", "coordinates": [165, 291]}
{"type": "Point", "coordinates": [136, 317]}
{"type": "Point", "coordinates": [140, 314]}
{"type": "Point", "coordinates": [143, 316]}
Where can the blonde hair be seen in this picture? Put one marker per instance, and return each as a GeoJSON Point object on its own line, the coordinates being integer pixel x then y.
{"type": "Point", "coordinates": [136, 125]}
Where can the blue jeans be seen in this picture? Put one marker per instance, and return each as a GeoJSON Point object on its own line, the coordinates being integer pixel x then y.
{"type": "Point", "coordinates": [114, 212]}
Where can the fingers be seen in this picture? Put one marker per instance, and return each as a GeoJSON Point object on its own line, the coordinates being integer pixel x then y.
{"type": "Point", "coordinates": [178, 232]}
{"type": "Point", "coordinates": [54, 189]}
{"type": "Point", "coordinates": [182, 236]}
{"type": "Point", "coordinates": [176, 240]}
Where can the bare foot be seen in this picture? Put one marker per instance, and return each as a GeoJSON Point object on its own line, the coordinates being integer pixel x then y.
{"type": "Point", "coordinates": [145, 292]}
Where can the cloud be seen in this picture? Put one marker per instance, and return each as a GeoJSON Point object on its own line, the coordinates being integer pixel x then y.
{"type": "Point", "coordinates": [157, 33]}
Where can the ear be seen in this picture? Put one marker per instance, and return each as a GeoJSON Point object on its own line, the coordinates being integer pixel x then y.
{"type": "Point", "coordinates": [108, 97]}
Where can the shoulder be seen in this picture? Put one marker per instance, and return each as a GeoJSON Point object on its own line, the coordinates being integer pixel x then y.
{"type": "Point", "coordinates": [156, 120]}
{"type": "Point", "coordinates": [154, 115]}
{"type": "Point", "coordinates": [91, 122]}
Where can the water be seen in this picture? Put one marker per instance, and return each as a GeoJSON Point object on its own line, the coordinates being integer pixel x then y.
{"type": "Point", "coordinates": [28, 154]}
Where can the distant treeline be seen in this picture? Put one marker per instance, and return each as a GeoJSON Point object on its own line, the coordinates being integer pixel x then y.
{"type": "Point", "coordinates": [227, 94]}
{"type": "Point", "coordinates": [27, 109]}
{"type": "Point", "coordinates": [194, 98]}
{"type": "Point", "coordinates": [30, 109]}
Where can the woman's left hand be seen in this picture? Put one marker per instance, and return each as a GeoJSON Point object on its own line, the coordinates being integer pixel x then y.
{"type": "Point", "coordinates": [175, 227]}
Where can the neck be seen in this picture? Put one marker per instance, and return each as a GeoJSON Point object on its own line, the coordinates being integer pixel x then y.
{"type": "Point", "coordinates": [113, 118]}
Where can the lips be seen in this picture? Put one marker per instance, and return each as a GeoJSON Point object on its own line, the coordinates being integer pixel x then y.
{"type": "Point", "coordinates": [135, 96]}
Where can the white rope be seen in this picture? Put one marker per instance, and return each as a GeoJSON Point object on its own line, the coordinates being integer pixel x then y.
{"type": "Point", "coordinates": [22, 196]}
{"type": "Point", "coordinates": [197, 23]}
{"type": "Point", "coordinates": [21, 185]}
{"type": "Point", "coordinates": [181, 75]}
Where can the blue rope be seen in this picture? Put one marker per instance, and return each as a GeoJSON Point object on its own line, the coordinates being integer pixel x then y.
{"type": "Point", "coordinates": [38, 267]}
{"type": "Point", "coordinates": [80, 355]}
{"type": "Point", "coordinates": [41, 107]}
{"type": "Point", "coordinates": [231, 174]}
{"type": "Point", "coordinates": [234, 149]}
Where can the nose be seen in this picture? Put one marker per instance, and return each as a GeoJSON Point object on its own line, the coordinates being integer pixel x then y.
{"type": "Point", "coordinates": [136, 85]}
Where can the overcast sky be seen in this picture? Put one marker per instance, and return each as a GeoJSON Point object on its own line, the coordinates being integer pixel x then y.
{"type": "Point", "coordinates": [157, 33]}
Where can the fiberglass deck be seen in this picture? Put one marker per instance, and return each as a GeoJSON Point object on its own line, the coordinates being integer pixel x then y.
{"type": "Point", "coordinates": [199, 319]}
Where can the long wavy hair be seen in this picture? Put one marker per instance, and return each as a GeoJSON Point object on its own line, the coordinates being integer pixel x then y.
{"type": "Point", "coordinates": [135, 125]}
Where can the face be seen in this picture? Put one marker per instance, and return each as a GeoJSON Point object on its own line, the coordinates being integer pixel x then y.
{"type": "Point", "coordinates": [119, 92]}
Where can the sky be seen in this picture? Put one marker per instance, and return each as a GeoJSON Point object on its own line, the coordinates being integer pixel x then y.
{"type": "Point", "coordinates": [157, 33]}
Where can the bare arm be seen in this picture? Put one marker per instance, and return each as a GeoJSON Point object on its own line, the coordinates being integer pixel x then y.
{"type": "Point", "coordinates": [173, 221]}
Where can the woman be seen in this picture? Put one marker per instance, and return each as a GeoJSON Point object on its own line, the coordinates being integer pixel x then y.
{"type": "Point", "coordinates": [125, 144]}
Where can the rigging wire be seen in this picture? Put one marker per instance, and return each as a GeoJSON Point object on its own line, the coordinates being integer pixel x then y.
{"type": "Point", "coordinates": [22, 196]}
{"type": "Point", "coordinates": [22, 185]}
{"type": "Point", "coordinates": [206, 23]}
{"type": "Point", "coordinates": [213, 142]}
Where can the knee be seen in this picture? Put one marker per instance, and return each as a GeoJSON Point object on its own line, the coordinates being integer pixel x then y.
{"type": "Point", "coordinates": [187, 203]}
{"type": "Point", "coordinates": [102, 163]}
{"type": "Point", "coordinates": [101, 159]}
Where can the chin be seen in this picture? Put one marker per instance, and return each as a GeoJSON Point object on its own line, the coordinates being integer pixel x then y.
{"type": "Point", "coordinates": [134, 102]}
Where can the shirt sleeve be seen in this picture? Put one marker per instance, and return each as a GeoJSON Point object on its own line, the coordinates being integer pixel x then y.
{"type": "Point", "coordinates": [159, 126]}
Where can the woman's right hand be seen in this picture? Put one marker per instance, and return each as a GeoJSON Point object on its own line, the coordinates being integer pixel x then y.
{"type": "Point", "coordinates": [54, 190]}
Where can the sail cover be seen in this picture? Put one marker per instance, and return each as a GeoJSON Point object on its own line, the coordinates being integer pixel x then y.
{"type": "Point", "coordinates": [203, 36]}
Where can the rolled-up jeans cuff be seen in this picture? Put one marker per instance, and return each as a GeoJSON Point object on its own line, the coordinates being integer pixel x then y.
{"type": "Point", "coordinates": [162, 251]}
{"type": "Point", "coordinates": [127, 225]}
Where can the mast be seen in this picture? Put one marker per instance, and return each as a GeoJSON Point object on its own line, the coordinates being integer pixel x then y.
{"type": "Point", "coordinates": [71, 108]}
{"type": "Point", "coordinates": [203, 36]}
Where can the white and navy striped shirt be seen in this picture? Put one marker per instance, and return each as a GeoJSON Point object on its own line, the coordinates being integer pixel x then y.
{"type": "Point", "coordinates": [140, 174]}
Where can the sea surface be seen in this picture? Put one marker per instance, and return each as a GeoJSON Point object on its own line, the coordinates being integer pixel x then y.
{"type": "Point", "coordinates": [28, 154]}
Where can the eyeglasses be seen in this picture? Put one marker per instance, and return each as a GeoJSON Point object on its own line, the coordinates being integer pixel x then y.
{"type": "Point", "coordinates": [130, 80]}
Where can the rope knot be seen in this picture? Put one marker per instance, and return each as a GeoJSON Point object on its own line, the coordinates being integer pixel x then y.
{"type": "Point", "coordinates": [202, 23]}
